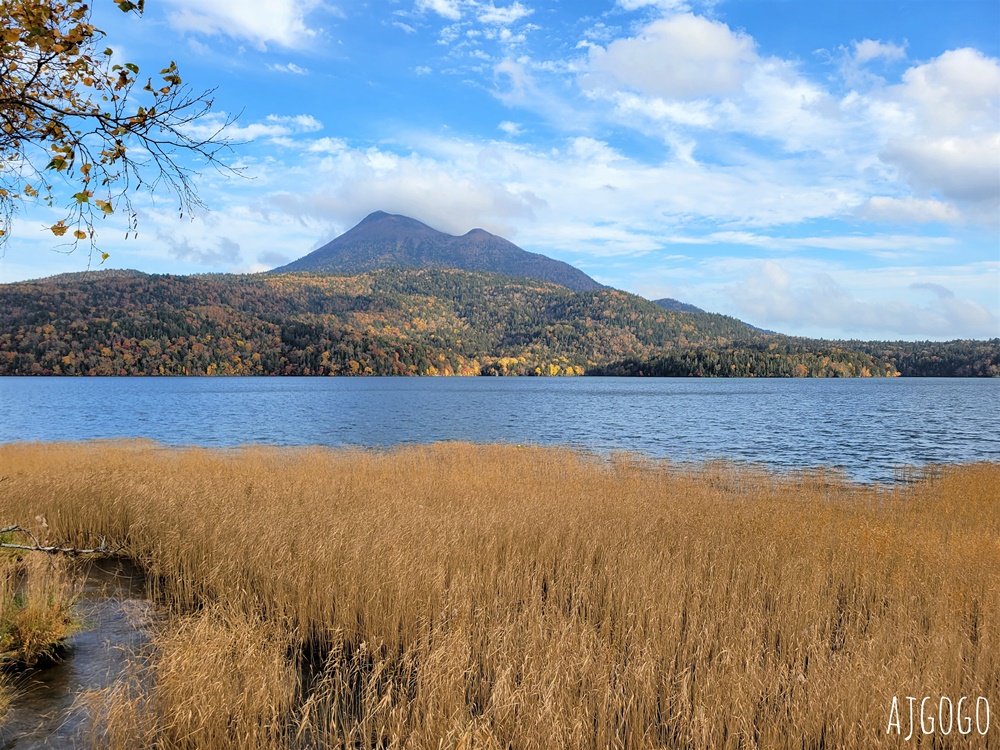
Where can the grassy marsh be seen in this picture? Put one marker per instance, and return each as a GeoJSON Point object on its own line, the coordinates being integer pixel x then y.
{"type": "Point", "coordinates": [500, 597]}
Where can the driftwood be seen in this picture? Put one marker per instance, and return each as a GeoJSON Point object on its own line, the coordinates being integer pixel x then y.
{"type": "Point", "coordinates": [56, 549]}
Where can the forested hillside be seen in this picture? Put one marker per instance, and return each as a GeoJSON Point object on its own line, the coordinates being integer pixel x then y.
{"type": "Point", "coordinates": [962, 358]}
{"type": "Point", "coordinates": [409, 322]}
{"type": "Point", "coordinates": [394, 322]}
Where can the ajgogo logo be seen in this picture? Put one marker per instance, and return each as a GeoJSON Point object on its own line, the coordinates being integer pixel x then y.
{"type": "Point", "coordinates": [947, 717]}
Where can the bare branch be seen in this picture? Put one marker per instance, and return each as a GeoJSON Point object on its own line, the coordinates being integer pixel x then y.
{"type": "Point", "coordinates": [55, 549]}
{"type": "Point", "coordinates": [75, 123]}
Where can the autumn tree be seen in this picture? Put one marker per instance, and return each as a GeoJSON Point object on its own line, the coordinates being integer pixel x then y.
{"type": "Point", "coordinates": [82, 131]}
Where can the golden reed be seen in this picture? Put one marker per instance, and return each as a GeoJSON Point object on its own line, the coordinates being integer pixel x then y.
{"type": "Point", "coordinates": [459, 596]}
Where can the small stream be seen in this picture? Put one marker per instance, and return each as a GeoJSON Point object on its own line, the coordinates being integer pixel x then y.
{"type": "Point", "coordinates": [116, 616]}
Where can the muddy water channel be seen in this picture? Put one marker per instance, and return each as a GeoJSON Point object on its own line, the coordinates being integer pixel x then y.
{"type": "Point", "coordinates": [116, 617]}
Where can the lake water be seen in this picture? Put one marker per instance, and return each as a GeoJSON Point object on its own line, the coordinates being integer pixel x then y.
{"type": "Point", "coordinates": [866, 427]}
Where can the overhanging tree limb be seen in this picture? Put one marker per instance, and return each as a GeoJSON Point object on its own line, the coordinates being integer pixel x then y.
{"type": "Point", "coordinates": [81, 131]}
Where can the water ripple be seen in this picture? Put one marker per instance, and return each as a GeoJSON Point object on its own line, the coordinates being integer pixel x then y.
{"type": "Point", "coordinates": [867, 427]}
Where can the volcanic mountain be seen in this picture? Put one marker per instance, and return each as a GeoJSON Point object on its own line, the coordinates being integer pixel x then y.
{"type": "Point", "coordinates": [384, 240]}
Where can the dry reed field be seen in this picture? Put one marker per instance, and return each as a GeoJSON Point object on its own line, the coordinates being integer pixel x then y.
{"type": "Point", "coordinates": [459, 596]}
{"type": "Point", "coordinates": [36, 600]}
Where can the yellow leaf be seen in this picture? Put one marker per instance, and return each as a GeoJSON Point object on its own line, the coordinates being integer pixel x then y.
{"type": "Point", "coordinates": [58, 229]}
{"type": "Point", "coordinates": [80, 235]}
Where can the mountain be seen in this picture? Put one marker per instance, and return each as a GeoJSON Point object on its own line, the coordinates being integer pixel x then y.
{"type": "Point", "coordinates": [384, 240]}
{"type": "Point", "coordinates": [398, 322]}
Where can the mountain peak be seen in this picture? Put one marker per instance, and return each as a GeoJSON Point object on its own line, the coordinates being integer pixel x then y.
{"type": "Point", "coordinates": [384, 240]}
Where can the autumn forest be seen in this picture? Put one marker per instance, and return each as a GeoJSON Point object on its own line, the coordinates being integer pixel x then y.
{"type": "Point", "coordinates": [413, 322]}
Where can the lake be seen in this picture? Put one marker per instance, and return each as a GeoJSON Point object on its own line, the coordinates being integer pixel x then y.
{"type": "Point", "coordinates": [867, 427]}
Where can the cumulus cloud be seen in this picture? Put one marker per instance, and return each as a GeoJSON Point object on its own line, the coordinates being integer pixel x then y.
{"type": "Point", "coordinates": [282, 22]}
{"type": "Point", "coordinates": [510, 128]}
{"type": "Point", "coordinates": [486, 13]}
{"type": "Point", "coordinates": [474, 23]}
{"type": "Point", "coordinates": [504, 16]}
{"type": "Point", "coordinates": [686, 76]}
{"type": "Point", "coordinates": [927, 146]}
{"type": "Point", "coordinates": [957, 92]}
{"type": "Point", "coordinates": [326, 145]}
{"type": "Point", "coordinates": [449, 9]}
{"type": "Point", "coordinates": [681, 57]}
{"type": "Point", "coordinates": [871, 49]}
{"type": "Point", "coordinates": [942, 131]}
{"type": "Point", "coordinates": [964, 169]}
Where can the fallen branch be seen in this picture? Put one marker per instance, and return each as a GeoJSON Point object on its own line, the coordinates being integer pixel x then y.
{"type": "Point", "coordinates": [56, 549]}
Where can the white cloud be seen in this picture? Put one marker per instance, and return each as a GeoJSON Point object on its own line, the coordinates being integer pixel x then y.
{"type": "Point", "coordinates": [505, 16]}
{"type": "Point", "coordinates": [510, 128]}
{"type": "Point", "coordinates": [225, 253]}
{"type": "Point", "coordinates": [883, 208]}
{"type": "Point", "coordinates": [941, 126]}
{"type": "Point", "coordinates": [475, 24]}
{"type": "Point", "coordinates": [681, 57]}
{"type": "Point", "coordinates": [486, 13]}
{"type": "Point", "coordinates": [198, 47]}
{"type": "Point", "coordinates": [295, 123]}
{"type": "Point", "coordinates": [289, 68]}
{"type": "Point", "coordinates": [879, 245]}
{"type": "Point", "coordinates": [589, 198]}
{"type": "Point", "coordinates": [422, 70]}
{"type": "Point", "coordinates": [870, 49]}
{"type": "Point", "coordinates": [445, 8]}
{"type": "Point", "coordinates": [326, 146]}
{"type": "Point", "coordinates": [771, 294]}
{"type": "Point", "coordinates": [688, 72]}
{"type": "Point", "coordinates": [690, 113]}
{"type": "Point", "coordinates": [665, 5]}
{"type": "Point", "coordinates": [689, 80]}
{"type": "Point", "coordinates": [282, 22]}
{"type": "Point", "coordinates": [405, 27]}
{"type": "Point", "coordinates": [274, 126]}
{"type": "Point", "coordinates": [956, 93]}
{"type": "Point", "coordinates": [964, 169]}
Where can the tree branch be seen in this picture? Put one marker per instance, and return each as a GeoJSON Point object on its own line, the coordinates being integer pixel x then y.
{"type": "Point", "coordinates": [55, 549]}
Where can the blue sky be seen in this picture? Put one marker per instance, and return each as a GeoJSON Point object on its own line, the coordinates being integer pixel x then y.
{"type": "Point", "coordinates": [827, 168]}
